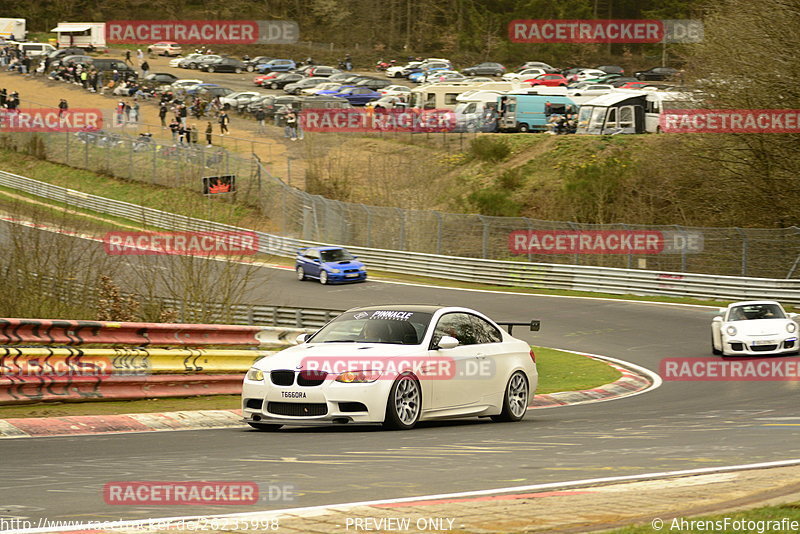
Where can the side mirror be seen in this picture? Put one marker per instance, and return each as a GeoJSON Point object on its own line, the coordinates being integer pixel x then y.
{"type": "Point", "coordinates": [316, 260]}
{"type": "Point", "coordinates": [717, 319]}
{"type": "Point", "coordinates": [447, 342]}
{"type": "Point", "coordinates": [793, 316]}
{"type": "Point", "coordinates": [302, 338]}
{"type": "Point", "coordinates": [723, 310]}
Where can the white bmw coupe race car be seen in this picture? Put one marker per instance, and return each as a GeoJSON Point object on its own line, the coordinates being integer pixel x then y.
{"type": "Point", "coordinates": [754, 328]}
{"type": "Point", "coordinates": [395, 365]}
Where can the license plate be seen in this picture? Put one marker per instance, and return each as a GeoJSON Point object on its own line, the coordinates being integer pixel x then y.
{"type": "Point", "coordinates": [764, 342]}
{"type": "Point", "coordinates": [353, 275]}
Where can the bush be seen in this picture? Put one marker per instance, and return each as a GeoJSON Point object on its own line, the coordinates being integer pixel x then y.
{"type": "Point", "coordinates": [490, 148]}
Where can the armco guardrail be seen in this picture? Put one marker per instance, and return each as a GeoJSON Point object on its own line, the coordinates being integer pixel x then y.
{"type": "Point", "coordinates": [521, 274]}
{"type": "Point", "coordinates": [26, 390]}
{"type": "Point", "coordinates": [61, 332]}
{"type": "Point", "coordinates": [70, 361]}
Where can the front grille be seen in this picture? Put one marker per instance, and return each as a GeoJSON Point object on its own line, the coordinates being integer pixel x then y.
{"type": "Point", "coordinates": [253, 404]}
{"type": "Point", "coordinates": [311, 378]}
{"type": "Point", "coordinates": [297, 409]}
{"type": "Point", "coordinates": [282, 378]}
{"type": "Point", "coordinates": [351, 270]}
{"type": "Point", "coordinates": [763, 348]}
{"type": "Point", "coordinates": [352, 407]}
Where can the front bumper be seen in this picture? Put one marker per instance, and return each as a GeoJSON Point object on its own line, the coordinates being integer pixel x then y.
{"type": "Point", "coordinates": [330, 402]}
{"type": "Point", "coordinates": [756, 347]}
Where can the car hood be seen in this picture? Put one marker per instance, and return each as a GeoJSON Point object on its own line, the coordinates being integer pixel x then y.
{"type": "Point", "coordinates": [761, 327]}
{"type": "Point", "coordinates": [343, 264]}
{"type": "Point", "coordinates": [334, 355]}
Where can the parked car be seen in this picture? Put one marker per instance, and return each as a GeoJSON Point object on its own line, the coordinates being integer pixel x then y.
{"type": "Point", "coordinates": [536, 64]}
{"type": "Point", "coordinates": [202, 61]}
{"type": "Point", "coordinates": [316, 89]}
{"type": "Point", "coordinates": [549, 80]}
{"type": "Point", "coordinates": [165, 48]}
{"type": "Point", "coordinates": [396, 90]}
{"type": "Point", "coordinates": [627, 84]}
{"type": "Point", "coordinates": [484, 69]}
{"type": "Point", "coordinates": [61, 52]}
{"type": "Point", "coordinates": [263, 80]}
{"type": "Point", "coordinates": [611, 69]}
{"type": "Point", "coordinates": [284, 79]}
{"type": "Point", "coordinates": [234, 100]}
{"type": "Point", "coordinates": [183, 62]}
{"type": "Point", "coordinates": [338, 88]}
{"type": "Point", "coordinates": [444, 76]}
{"type": "Point", "coordinates": [373, 83]}
{"type": "Point", "coordinates": [190, 61]}
{"type": "Point", "coordinates": [358, 96]}
{"type": "Point", "coordinates": [305, 83]}
{"type": "Point", "coordinates": [656, 74]}
{"type": "Point", "coordinates": [76, 59]}
{"type": "Point", "coordinates": [161, 78]}
{"type": "Point", "coordinates": [209, 89]}
{"type": "Point", "coordinates": [277, 65]}
{"type": "Point", "coordinates": [587, 74]}
{"type": "Point", "coordinates": [622, 81]}
{"type": "Point", "coordinates": [329, 265]}
{"type": "Point", "coordinates": [224, 64]}
{"type": "Point", "coordinates": [590, 89]}
{"type": "Point", "coordinates": [324, 380]}
{"type": "Point", "coordinates": [388, 102]}
{"type": "Point", "coordinates": [185, 85]}
{"type": "Point", "coordinates": [524, 74]}
{"type": "Point", "coordinates": [429, 64]}
{"type": "Point", "coordinates": [323, 70]}
{"type": "Point", "coordinates": [251, 64]}
{"type": "Point", "coordinates": [752, 328]}
{"type": "Point", "coordinates": [396, 71]}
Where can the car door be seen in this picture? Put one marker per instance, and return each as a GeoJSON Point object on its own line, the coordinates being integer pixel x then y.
{"type": "Point", "coordinates": [458, 388]}
{"type": "Point", "coordinates": [311, 262]}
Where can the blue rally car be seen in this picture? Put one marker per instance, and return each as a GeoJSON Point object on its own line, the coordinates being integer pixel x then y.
{"type": "Point", "coordinates": [329, 265]}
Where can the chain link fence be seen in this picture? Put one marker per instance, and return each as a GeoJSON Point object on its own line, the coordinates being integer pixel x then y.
{"type": "Point", "coordinates": [752, 252]}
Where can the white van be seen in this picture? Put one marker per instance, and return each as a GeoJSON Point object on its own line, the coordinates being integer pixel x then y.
{"type": "Point", "coordinates": [36, 49]}
{"type": "Point", "coordinates": [471, 108]}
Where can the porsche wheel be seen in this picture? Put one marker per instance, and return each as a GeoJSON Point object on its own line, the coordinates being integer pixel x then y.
{"type": "Point", "coordinates": [301, 274]}
{"type": "Point", "coordinates": [515, 400]}
{"type": "Point", "coordinates": [323, 277]}
{"type": "Point", "coordinates": [405, 403]}
{"type": "Point", "coordinates": [265, 427]}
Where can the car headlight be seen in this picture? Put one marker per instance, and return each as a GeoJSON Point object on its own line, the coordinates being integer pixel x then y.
{"type": "Point", "coordinates": [731, 330]}
{"type": "Point", "coordinates": [791, 327]}
{"type": "Point", "coordinates": [335, 270]}
{"type": "Point", "coordinates": [256, 375]}
{"type": "Point", "coordinates": [358, 377]}
{"type": "Point", "coordinates": [362, 268]}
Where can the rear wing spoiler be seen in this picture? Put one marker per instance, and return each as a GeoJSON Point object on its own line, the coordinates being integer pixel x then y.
{"type": "Point", "coordinates": [534, 325]}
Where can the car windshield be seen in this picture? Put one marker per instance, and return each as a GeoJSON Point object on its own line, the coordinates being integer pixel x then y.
{"type": "Point", "coordinates": [756, 311]}
{"type": "Point", "coordinates": [339, 254]}
{"type": "Point", "coordinates": [375, 326]}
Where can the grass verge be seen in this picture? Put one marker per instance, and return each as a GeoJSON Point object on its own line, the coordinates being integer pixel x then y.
{"type": "Point", "coordinates": [558, 371]}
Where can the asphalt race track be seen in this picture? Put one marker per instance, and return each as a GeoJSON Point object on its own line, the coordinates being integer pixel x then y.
{"type": "Point", "coordinates": [681, 425]}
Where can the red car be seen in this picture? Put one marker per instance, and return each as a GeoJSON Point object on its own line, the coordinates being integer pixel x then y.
{"type": "Point", "coordinates": [550, 80]}
{"type": "Point", "coordinates": [265, 79]}
{"type": "Point", "coordinates": [634, 85]}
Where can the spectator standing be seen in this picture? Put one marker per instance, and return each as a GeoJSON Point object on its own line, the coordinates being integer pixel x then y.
{"type": "Point", "coordinates": [63, 107]}
{"type": "Point", "coordinates": [139, 56]}
{"type": "Point", "coordinates": [183, 112]}
{"type": "Point", "coordinates": [162, 114]}
{"type": "Point", "coordinates": [174, 127]}
{"type": "Point", "coordinates": [195, 134]}
{"type": "Point", "coordinates": [224, 120]}
{"type": "Point", "coordinates": [291, 124]}
{"type": "Point", "coordinates": [261, 117]}
{"type": "Point", "coordinates": [128, 60]}
{"type": "Point", "coordinates": [145, 69]}
{"type": "Point", "coordinates": [348, 62]}
{"type": "Point", "coordinates": [209, 133]}
{"type": "Point", "coordinates": [135, 112]}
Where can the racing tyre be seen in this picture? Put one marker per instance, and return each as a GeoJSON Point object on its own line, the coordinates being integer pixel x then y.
{"type": "Point", "coordinates": [265, 427]}
{"type": "Point", "coordinates": [323, 277]}
{"type": "Point", "coordinates": [250, 68]}
{"type": "Point", "coordinates": [515, 400]}
{"type": "Point", "coordinates": [301, 274]}
{"type": "Point", "coordinates": [523, 128]}
{"type": "Point", "coordinates": [211, 69]}
{"type": "Point", "coordinates": [714, 351]}
{"type": "Point", "coordinates": [404, 405]}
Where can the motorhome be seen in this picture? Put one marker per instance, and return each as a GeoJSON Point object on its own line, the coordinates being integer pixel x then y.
{"type": "Point", "coordinates": [86, 35]}
{"type": "Point", "coordinates": [614, 113]}
{"type": "Point", "coordinates": [444, 96]}
{"type": "Point", "coordinates": [656, 102]}
{"type": "Point", "coordinates": [471, 109]}
{"type": "Point", "coordinates": [524, 112]}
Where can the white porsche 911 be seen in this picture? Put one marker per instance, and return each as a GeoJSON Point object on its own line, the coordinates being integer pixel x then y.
{"type": "Point", "coordinates": [754, 328]}
{"type": "Point", "coordinates": [395, 365]}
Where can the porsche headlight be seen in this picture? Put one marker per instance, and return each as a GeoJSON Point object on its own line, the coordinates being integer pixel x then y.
{"type": "Point", "coordinates": [256, 375]}
{"type": "Point", "coordinates": [731, 330]}
{"type": "Point", "coordinates": [791, 327]}
{"type": "Point", "coordinates": [358, 377]}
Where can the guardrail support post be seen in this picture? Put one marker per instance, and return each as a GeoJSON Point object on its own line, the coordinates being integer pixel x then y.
{"type": "Point", "coordinates": [745, 247]}
{"type": "Point", "coordinates": [438, 232]}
